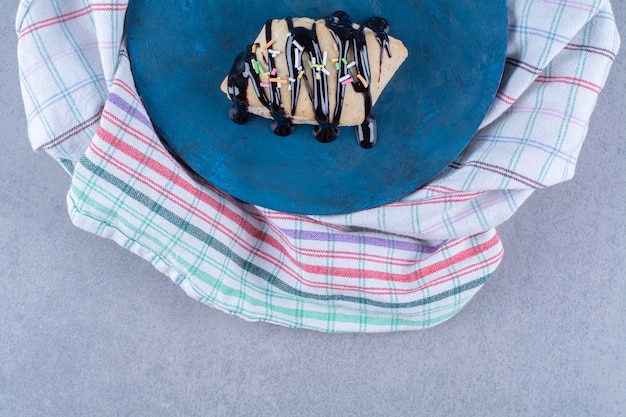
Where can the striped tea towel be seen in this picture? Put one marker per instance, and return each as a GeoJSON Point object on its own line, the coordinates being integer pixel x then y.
{"type": "Point", "coordinates": [408, 265]}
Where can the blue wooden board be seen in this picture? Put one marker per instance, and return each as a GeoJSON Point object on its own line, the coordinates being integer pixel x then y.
{"type": "Point", "coordinates": [181, 51]}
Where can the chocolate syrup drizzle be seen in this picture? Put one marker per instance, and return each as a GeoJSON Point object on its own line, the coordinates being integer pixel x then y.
{"type": "Point", "coordinates": [300, 40]}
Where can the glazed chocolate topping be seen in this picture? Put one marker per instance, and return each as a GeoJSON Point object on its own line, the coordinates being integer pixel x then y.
{"type": "Point", "coordinates": [300, 41]}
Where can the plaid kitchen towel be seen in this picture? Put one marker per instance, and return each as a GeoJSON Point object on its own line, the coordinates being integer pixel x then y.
{"type": "Point", "coordinates": [408, 265]}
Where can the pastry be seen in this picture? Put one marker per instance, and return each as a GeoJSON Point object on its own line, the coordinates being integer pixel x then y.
{"type": "Point", "coordinates": [325, 72]}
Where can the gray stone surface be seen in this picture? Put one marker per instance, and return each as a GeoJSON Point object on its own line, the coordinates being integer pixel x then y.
{"type": "Point", "coordinates": [87, 328]}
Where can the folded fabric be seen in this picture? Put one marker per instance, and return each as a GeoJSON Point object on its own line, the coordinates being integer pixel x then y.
{"type": "Point", "coordinates": [410, 264]}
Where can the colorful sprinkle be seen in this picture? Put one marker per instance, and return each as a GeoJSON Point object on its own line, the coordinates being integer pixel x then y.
{"type": "Point", "coordinates": [273, 71]}
{"type": "Point", "coordinates": [300, 74]}
{"type": "Point", "coordinates": [318, 76]}
{"type": "Point", "coordinates": [297, 45]}
{"type": "Point", "coordinates": [345, 77]}
{"type": "Point", "coordinates": [325, 71]}
{"type": "Point", "coordinates": [255, 66]}
{"type": "Point", "coordinates": [258, 67]}
{"type": "Point", "coordinates": [351, 64]}
{"type": "Point", "coordinates": [298, 60]}
{"type": "Point", "coordinates": [345, 61]}
{"type": "Point", "coordinates": [278, 80]}
{"type": "Point", "coordinates": [266, 85]}
{"type": "Point", "coordinates": [363, 80]}
{"type": "Point", "coordinates": [324, 58]}
{"type": "Point", "coordinates": [267, 45]}
{"type": "Point", "coordinates": [338, 66]}
{"type": "Point", "coordinates": [348, 81]}
{"type": "Point", "coordinates": [335, 47]}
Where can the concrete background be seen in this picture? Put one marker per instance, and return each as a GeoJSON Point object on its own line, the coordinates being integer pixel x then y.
{"type": "Point", "coordinates": [86, 328]}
